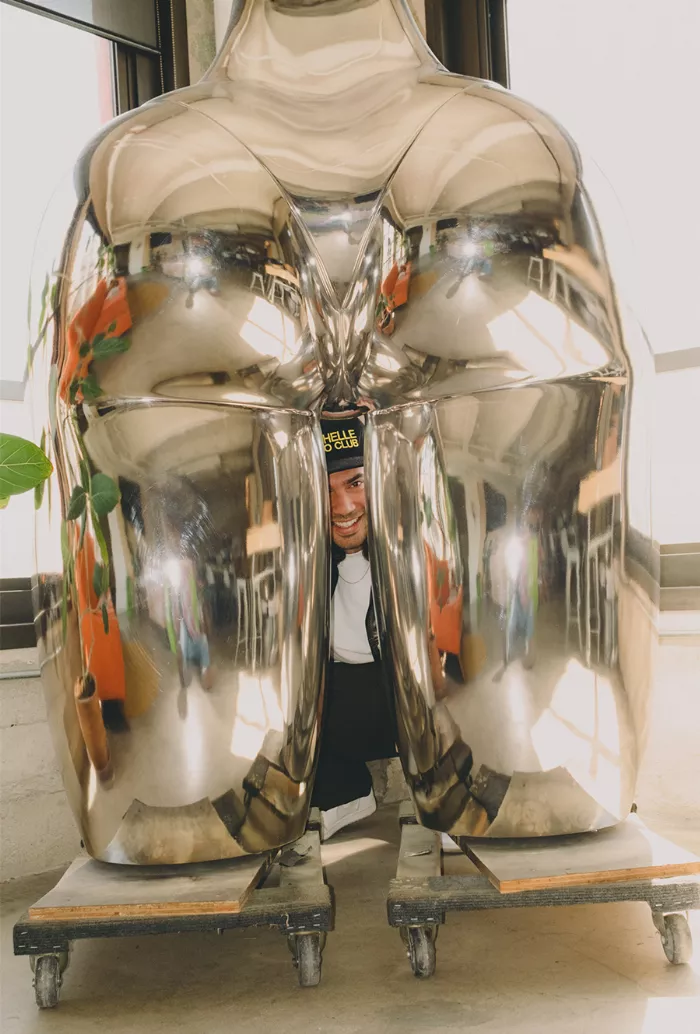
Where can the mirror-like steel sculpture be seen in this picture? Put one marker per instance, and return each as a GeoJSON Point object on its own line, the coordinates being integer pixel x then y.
{"type": "Point", "coordinates": [332, 218]}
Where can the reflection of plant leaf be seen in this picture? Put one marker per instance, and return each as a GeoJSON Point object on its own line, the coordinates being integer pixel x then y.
{"type": "Point", "coordinates": [428, 510]}
{"type": "Point", "coordinates": [39, 490]}
{"type": "Point", "coordinates": [73, 390]}
{"type": "Point", "coordinates": [76, 504]}
{"type": "Point", "coordinates": [64, 607]}
{"type": "Point", "coordinates": [105, 618]}
{"type": "Point", "coordinates": [83, 528]}
{"type": "Point", "coordinates": [100, 580]}
{"type": "Point", "coordinates": [112, 327]}
{"type": "Point", "coordinates": [104, 552]}
{"type": "Point", "coordinates": [90, 388]}
{"type": "Point", "coordinates": [65, 549]}
{"type": "Point", "coordinates": [84, 349]}
{"type": "Point", "coordinates": [111, 346]}
{"type": "Point", "coordinates": [23, 465]}
{"type": "Point", "coordinates": [104, 494]}
{"type": "Point", "coordinates": [84, 475]}
{"type": "Point", "coordinates": [42, 304]}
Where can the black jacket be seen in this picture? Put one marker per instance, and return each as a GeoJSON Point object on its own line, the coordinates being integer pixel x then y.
{"type": "Point", "coordinates": [337, 555]}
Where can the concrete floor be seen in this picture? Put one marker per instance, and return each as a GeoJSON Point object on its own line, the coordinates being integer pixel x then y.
{"type": "Point", "coordinates": [567, 970]}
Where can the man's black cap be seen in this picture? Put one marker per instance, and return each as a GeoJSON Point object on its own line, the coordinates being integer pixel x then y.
{"type": "Point", "coordinates": [343, 443]}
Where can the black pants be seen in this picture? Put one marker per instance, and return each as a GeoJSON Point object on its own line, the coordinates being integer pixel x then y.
{"type": "Point", "coordinates": [358, 726]}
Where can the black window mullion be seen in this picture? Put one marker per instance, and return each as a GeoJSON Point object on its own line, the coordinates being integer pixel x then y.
{"type": "Point", "coordinates": [469, 37]}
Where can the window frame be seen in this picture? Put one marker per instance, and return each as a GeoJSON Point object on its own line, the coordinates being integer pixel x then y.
{"type": "Point", "coordinates": [470, 37]}
{"type": "Point", "coordinates": [169, 71]}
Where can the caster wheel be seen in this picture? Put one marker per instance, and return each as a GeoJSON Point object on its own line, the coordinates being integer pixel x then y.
{"type": "Point", "coordinates": [420, 943]}
{"type": "Point", "coordinates": [47, 981]}
{"type": "Point", "coordinates": [307, 958]}
{"type": "Point", "coordinates": [676, 938]}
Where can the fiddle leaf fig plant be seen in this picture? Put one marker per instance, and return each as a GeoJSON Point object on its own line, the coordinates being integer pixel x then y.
{"type": "Point", "coordinates": [23, 467]}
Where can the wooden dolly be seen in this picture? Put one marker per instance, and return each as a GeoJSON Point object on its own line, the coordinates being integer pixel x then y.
{"type": "Point", "coordinates": [625, 863]}
{"type": "Point", "coordinates": [285, 890]}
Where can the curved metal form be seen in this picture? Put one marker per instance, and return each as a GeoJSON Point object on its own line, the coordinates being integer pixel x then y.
{"type": "Point", "coordinates": [331, 216]}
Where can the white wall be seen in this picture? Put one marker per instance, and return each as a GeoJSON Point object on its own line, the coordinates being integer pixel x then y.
{"type": "Point", "coordinates": [621, 77]}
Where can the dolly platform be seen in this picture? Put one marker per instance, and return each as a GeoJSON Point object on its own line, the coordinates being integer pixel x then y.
{"type": "Point", "coordinates": [625, 863]}
{"type": "Point", "coordinates": [285, 890]}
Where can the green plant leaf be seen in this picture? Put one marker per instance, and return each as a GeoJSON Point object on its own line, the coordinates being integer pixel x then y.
{"type": "Point", "coordinates": [100, 580]}
{"type": "Point", "coordinates": [64, 609]}
{"type": "Point", "coordinates": [42, 303]}
{"type": "Point", "coordinates": [84, 349]}
{"type": "Point", "coordinates": [73, 391]}
{"type": "Point", "coordinates": [85, 475]}
{"type": "Point", "coordinates": [65, 548]}
{"type": "Point", "coordinates": [23, 465]}
{"type": "Point", "coordinates": [39, 489]}
{"type": "Point", "coordinates": [90, 388]}
{"type": "Point", "coordinates": [4, 502]}
{"type": "Point", "coordinates": [104, 494]}
{"type": "Point", "coordinates": [76, 504]}
{"type": "Point", "coordinates": [99, 535]}
{"type": "Point", "coordinates": [112, 327]}
{"type": "Point", "coordinates": [105, 618]}
{"type": "Point", "coordinates": [111, 346]}
{"type": "Point", "coordinates": [83, 528]}
{"type": "Point", "coordinates": [39, 495]}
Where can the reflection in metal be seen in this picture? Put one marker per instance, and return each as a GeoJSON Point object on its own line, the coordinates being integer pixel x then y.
{"type": "Point", "coordinates": [331, 217]}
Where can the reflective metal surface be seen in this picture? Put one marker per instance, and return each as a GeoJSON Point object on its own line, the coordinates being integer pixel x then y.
{"type": "Point", "coordinates": [330, 217]}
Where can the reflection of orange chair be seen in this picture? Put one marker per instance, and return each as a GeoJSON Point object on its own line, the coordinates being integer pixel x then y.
{"type": "Point", "coordinates": [103, 657]}
{"type": "Point", "coordinates": [445, 605]}
{"type": "Point", "coordinates": [107, 305]}
{"type": "Point", "coordinates": [395, 287]}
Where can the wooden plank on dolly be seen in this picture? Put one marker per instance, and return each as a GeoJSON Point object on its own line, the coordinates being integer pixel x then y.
{"type": "Point", "coordinates": [97, 890]}
{"type": "Point", "coordinates": [628, 851]}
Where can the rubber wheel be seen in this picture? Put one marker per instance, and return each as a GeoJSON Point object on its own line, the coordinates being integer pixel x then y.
{"type": "Point", "coordinates": [421, 951]}
{"type": "Point", "coordinates": [47, 981]}
{"type": "Point", "coordinates": [677, 940]}
{"type": "Point", "coordinates": [308, 959]}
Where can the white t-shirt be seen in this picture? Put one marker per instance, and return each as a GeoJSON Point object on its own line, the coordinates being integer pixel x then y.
{"type": "Point", "coordinates": [351, 601]}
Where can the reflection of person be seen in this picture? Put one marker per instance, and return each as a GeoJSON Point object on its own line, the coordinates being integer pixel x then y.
{"type": "Point", "coordinates": [359, 723]}
{"type": "Point", "coordinates": [523, 563]}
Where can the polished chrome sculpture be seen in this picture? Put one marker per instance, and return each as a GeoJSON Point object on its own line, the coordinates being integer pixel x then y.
{"type": "Point", "coordinates": [330, 218]}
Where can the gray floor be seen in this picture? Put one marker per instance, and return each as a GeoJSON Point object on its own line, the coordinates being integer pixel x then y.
{"type": "Point", "coordinates": [588, 969]}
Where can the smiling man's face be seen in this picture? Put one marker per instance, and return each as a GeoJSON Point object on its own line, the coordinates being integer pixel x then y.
{"type": "Point", "coordinates": [348, 508]}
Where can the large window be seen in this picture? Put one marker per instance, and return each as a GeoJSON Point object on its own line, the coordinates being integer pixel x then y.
{"type": "Point", "coordinates": [67, 67]}
{"type": "Point", "coordinates": [621, 75]}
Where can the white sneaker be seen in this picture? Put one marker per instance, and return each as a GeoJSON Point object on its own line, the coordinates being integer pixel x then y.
{"type": "Point", "coordinates": [448, 845]}
{"type": "Point", "coordinates": [335, 819]}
